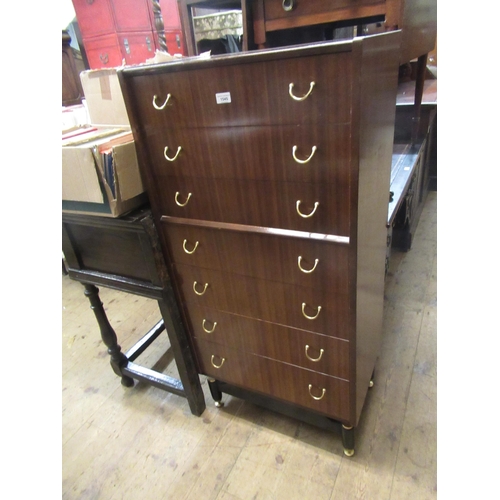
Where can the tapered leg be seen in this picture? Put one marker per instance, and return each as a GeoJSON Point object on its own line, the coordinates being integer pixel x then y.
{"type": "Point", "coordinates": [348, 440]}
{"type": "Point", "coordinates": [215, 392]}
{"type": "Point", "coordinates": [108, 335]}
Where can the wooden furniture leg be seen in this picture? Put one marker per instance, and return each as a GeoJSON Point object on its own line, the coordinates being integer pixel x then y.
{"type": "Point", "coordinates": [108, 335]}
{"type": "Point", "coordinates": [419, 92]}
{"type": "Point", "coordinates": [215, 392]}
{"type": "Point", "coordinates": [348, 440]}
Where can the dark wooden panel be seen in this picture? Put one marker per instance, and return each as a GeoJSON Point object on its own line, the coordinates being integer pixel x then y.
{"type": "Point", "coordinates": [109, 250]}
{"type": "Point", "coordinates": [262, 153]}
{"type": "Point", "coordinates": [266, 101]}
{"type": "Point", "coordinates": [258, 203]}
{"type": "Point", "coordinates": [261, 256]}
{"type": "Point", "coordinates": [272, 341]}
{"type": "Point", "coordinates": [310, 12]}
{"type": "Point", "coordinates": [267, 300]}
{"type": "Point", "coordinates": [276, 379]}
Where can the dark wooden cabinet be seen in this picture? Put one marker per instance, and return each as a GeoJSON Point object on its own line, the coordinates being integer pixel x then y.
{"type": "Point", "coordinates": [268, 174]}
{"type": "Point", "coordinates": [417, 19]}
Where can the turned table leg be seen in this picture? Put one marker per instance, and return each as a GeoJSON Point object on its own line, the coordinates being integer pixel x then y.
{"type": "Point", "coordinates": [108, 335]}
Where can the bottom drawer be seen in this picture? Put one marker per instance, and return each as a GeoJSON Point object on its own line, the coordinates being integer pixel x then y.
{"type": "Point", "coordinates": [311, 390]}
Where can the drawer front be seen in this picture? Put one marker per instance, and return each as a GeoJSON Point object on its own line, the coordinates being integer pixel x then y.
{"type": "Point", "coordinates": [132, 15]}
{"type": "Point", "coordinates": [175, 42]}
{"type": "Point", "coordinates": [288, 305]}
{"type": "Point", "coordinates": [318, 208]}
{"type": "Point", "coordinates": [94, 18]}
{"type": "Point", "coordinates": [306, 153]}
{"type": "Point", "coordinates": [296, 261]}
{"type": "Point", "coordinates": [103, 51]}
{"type": "Point", "coordinates": [222, 96]}
{"type": "Point", "coordinates": [279, 9]}
{"type": "Point", "coordinates": [137, 47]}
{"type": "Point", "coordinates": [312, 390]}
{"type": "Point", "coordinates": [297, 347]}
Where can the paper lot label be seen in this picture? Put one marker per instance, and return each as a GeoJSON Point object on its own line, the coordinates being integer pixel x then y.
{"type": "Point", "coordinates": [223, 97]}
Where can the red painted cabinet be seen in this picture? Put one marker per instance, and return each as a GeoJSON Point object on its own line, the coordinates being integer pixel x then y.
{"type": "Point", "coordinates": [117, 31]}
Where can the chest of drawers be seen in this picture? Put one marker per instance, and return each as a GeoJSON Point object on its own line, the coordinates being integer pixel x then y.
{"type": "Point", "coordinates": [268, 175]}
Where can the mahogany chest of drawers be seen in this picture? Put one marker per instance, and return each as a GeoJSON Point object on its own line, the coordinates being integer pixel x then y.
{"type": "Point", "coordinates": [268, 175]}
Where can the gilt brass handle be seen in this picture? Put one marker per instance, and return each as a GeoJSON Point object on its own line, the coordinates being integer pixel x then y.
{"type": "Point", "coordinates": [317, 398]}
{"type": "Point", "coordinates": [160, 107]}
{"type": "Point", "coordinates": [304, 97]}
{"type": "Point", "coordinates": [307, 271]}
{"type": "Point", "coordinates": [306, 216]}
{"type": "Point", "coordinates": [189, 251]}
{"type": "Point", "coordinates": [294, 151]}
{"type": "Point", "coordinates": [177, 199]}
{"type": "Point", "coordinates": [288, 5]}
{"type": "Point", "coordinates": [195, 284]}
{"type": "Point", "coordinates": [309, 317]}
{"type": "Point", "coordinates": [206, 330]}
{"type": "Point", "coordinates": [214, 365]}
{"type": "Point", "coordinates": [179, 149]}
{"type": "Point", "coordinates": [321, 351]}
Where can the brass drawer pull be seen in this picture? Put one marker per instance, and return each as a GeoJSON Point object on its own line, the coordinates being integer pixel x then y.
{"type": "Point", "coordinates": [307, 271]}
{"type": "Point", "coordinates": [294, 150]}
{"type": "Point", "coordinates": [177, 199]}
{"type": "Point", "coordinates": [288, 5]}
{"type": "Point", "coordinates": [317, 398]}
{"type": "Point", "coordinates": [321, 351]}
{"type": "Point", "coordinates": [195, 284]}
{"type": "Point", "coordinates": [190, 252]}
{"type": "Point", "coordinates": [306, 216]}
{"type": "Point", "coordinates": [310, 317]}
{"type": "Point", "coordinates": [206, 330]}
{"type": "Point", "coordinates": [156, 106]}
{"type": "Point", "coordinates": [221, 363]}
{"type": "Point", "coordinates": [179, 149]}
{"type": "Point", "coordinates": [304, 97]}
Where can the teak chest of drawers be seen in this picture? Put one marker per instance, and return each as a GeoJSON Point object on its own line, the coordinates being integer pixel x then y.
{"type": "Point", "coordinates": [268, 175]}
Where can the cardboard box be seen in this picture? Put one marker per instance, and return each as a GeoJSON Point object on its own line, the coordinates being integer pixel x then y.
{"type": "Point", "coordinates": [100, 171]}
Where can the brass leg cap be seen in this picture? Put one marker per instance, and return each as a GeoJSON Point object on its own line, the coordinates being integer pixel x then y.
{"type": "Point", "coordinates": [348, 453]}
{"type": "Point", "coordinates": [371, 384]}
{"type": "Point", "coordinates": [219, 404]}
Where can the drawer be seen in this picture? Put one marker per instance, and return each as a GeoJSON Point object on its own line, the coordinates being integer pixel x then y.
{"type": "Point", "coordinates": [321, 393]}
{"type": "Point", "coordinates": [305, 153]}
{"type": "Point", "coordinates": [318, 208]}
{"type": "Point", "coordinates": [308, 350]}
{"type": "Point", "coordinates": [307, 12]}
{"type": "Point", "coordinates": [94, 18]}
{"type": "Point", "coordinates": [231, 94]}
{"type": "Point", "coordinates": [131, 15]}
{"type": "Point", "coordinates": [137, 47]}
{"type": "Point", "coordinates": [103, 51]}
{"type": "Point", "coordinates": [296, 261]}
{"type": "Point", "coordinates": [288, 305]}
{"type": "Point", "coordinates": [175, 42]}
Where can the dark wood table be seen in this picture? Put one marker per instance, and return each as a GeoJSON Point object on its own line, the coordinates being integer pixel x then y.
{"type": "Point", "coordinates": [124, 254]}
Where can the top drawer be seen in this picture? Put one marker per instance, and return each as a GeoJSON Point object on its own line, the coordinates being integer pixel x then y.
{"type": "Point", "coordinates": [306, 12]}
{"type": "Point", "coordinates": [258, 93]}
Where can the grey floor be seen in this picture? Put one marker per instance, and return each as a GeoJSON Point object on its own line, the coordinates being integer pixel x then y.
{"type": "Point", "coordinates": [143, 443]}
